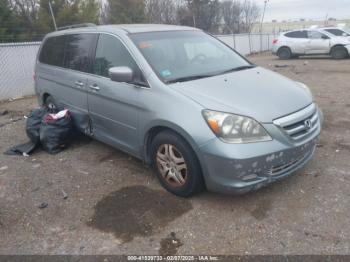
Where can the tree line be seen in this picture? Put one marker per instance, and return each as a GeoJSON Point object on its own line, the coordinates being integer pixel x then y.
{"type": "Point", "coordinates": [24, 20]}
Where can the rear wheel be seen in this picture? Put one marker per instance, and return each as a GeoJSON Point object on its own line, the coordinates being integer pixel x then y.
{"type": "Point", "coordinates": [284, 53]}
{"type": "Point", "coordinates": [339, 52]}
{"type": "Point", "coordinates": [50, 104]}
{"type": "Point", "coordinates": [176, 165]}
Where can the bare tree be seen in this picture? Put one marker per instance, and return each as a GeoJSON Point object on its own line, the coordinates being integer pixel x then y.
{"type": "Point", "coordinates": [27, 10]}
{"type": "Point", "coordinates": [250, 14]}
{"type": "Point", "coordinates": [162, 11]}
{"type": "Point", "coordinates": [231, 12]}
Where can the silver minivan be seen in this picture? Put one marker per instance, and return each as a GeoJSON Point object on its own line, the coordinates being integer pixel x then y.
{"type": "Point", "coordinates": [188, 105]}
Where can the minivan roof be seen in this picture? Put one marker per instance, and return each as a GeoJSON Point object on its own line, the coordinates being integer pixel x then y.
{"type": "Point", "coordinates": [127, 28]}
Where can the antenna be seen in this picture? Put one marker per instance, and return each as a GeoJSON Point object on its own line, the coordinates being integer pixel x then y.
{"type": "Point", "coordinates": [53, 17]}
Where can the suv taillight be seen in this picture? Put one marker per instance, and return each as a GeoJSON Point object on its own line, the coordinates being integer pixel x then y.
{"type": "Point", "coordinates": [274, 41]}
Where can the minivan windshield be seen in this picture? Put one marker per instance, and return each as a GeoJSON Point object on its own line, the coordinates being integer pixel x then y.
{"type": "Point", "coordinates": [178, 56]}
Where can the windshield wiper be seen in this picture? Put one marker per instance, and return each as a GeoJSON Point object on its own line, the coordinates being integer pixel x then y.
{"type": "Point", "coordinates": [195, 77]}
{"type": "Point", "coordinates": [187, 78]}
{"type": "Point", "coordinates": [239, 68]}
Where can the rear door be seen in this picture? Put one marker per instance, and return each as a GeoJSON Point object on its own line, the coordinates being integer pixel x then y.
{"type": "Point", "coordinates": [72, 79]}
{"type": "Point", "coordinates": [297, 41]}
{"type": "Point", "coordinates": [113, 106]}
{"type": "Point", "coordinates": [318, 43]}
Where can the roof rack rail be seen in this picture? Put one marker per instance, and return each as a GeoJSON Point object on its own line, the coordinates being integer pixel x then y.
{"type": "Point", "coordinates": [75, 26]}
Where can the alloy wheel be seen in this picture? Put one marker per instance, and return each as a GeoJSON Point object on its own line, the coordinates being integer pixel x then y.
{"type": "Point", "coordinates": [171, 165]}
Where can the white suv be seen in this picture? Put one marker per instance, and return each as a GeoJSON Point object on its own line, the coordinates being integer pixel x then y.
{"type": "Point", "coordinates": [310, 42]}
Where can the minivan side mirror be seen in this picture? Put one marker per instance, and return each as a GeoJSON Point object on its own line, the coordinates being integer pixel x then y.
{"type": "Point", "coordinates": [121, 74]}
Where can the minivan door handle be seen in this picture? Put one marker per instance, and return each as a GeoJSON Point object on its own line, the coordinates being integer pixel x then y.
{"type": "Point", "coordinates": [79, 83]}
{"type": "Point", "coordinates": [94, 87]}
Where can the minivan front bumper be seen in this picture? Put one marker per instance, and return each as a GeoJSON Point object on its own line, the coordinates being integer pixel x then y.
{"type": "Point", "coordinates": [241, 168]}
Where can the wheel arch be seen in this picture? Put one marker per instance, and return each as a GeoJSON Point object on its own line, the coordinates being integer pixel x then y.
{"type": "Point", "coordinates": [284, 46]}
{"type": "Point", "coordinates": [154, 130]}
{"type": "Point", "coordinates": [337, 45]}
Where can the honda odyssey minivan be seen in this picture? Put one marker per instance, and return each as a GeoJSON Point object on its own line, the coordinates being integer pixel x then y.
{"type": "Point", "coordinates": [188, 105]}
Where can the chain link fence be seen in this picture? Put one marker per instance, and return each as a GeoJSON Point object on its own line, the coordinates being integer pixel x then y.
{"type": "Point", "coordinates": [17, 61]}
{"type": "Point", "coordinates": [16, 69]}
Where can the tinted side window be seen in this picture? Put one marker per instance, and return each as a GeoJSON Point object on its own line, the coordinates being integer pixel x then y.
{"type": "Point", "coordinates": [315, 35]}
{"type": "Point", "coordinates": [110, 52]}
{"type": "Point", "coordinates": [336, 32]}
{"type": "Point", "coordinates": [296, 34]}
{"type": "Point", "coordinates": [52, 52]}
{"type": "Point", "coordinates": [77, 51]}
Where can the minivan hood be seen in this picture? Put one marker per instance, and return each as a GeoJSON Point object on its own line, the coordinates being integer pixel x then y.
{"type": "Point", "coordinates": [257, 93]}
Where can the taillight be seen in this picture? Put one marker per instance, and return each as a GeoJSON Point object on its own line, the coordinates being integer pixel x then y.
{"type": "Point", "coordinates": [275, 41]}
{"type": "Point", "coordinates": [34, 77]}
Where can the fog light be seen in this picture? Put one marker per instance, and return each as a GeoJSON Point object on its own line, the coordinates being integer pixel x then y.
{"type": "Point", "coordinates": [249, 177]}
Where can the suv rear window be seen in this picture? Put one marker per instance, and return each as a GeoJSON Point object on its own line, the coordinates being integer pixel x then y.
{"type": "Point", "coordinates": [52, 52]}
{"type": "Point", "coordinates": [297, 34]}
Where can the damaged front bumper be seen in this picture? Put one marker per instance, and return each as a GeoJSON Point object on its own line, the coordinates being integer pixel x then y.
{"type": "Point", "coordinates": [241, 168]}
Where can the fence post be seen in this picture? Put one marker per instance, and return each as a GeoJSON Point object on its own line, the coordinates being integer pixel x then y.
{"type": "Point", "coordinates": [250, 44]}
{"type": "Point", "coordinates": [234, 41]}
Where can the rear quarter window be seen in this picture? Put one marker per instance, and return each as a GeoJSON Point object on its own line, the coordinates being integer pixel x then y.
{"type": "Point", "coordinates": [52, 52]}
{"type": "Point", "coordinates": [296, 34]}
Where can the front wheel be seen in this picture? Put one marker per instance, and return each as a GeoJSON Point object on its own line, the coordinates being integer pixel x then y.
{"type": "Point", "coordinates": [339, 52]}
{"type": "Point", "coordinates": [176, 165]}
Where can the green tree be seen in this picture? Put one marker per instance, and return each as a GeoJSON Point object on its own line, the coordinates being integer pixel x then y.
{"type": "Point", "coordinates": [126, 11]}
{"type": "Point", "coordinates": [66, 13]}
{"type": "Point", "coordinates": [8, 23]}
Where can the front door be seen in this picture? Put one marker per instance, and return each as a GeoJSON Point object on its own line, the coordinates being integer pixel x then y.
{"type": "Point", "coordinates": [113, 106]}
{"type": "Point", "coordinates": [318, 43]}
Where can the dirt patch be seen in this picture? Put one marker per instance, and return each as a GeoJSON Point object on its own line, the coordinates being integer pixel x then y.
{"type": "Point", "coordinates": [342, 146]}
{"type": "Point", "coordinates": [261, 209]}
{"type": "Point", "coordinates": [137, 211]}
{"type": "Point", "coordinates": [169, 245]}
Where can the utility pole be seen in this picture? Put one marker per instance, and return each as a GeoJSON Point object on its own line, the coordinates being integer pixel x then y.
{"type": "Point", "coordinates": [53, 17]}
{"type": "Point", "coordinates": [261, 24]}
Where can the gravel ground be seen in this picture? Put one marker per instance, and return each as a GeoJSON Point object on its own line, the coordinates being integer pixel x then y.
{"type": "Point", "coordinates": [116, 206]}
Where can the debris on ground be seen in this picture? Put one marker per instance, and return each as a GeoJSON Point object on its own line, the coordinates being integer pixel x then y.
{"type": "Point", "coordinates": [43, 205]}
{"type": "Point", "coordinates": [282, 66]}
{"type": "Point", "coordinates": [65, 195]}
{"type": "Point", "coordinates": [51, 131]}
{"type": "Point", "coordinates": [3, 168]}
{"type": "Point", "coordinates": [169, 245]}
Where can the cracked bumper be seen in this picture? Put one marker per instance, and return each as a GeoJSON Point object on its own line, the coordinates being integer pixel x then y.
{"type": "Point", "coordinates": [241, 168]}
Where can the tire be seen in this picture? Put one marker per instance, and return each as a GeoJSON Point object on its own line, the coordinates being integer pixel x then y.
{"type": "Point", "coordinates": [50, 104]}
{"type": "Point", "coordinates": [339, 52]}
{"type": "Point", "coordinates": [176, 165]}
{"type": "Point", "coordinates": [284, 53]}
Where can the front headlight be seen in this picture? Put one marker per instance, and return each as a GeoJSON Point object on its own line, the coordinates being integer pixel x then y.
{"type": "Point", "coordinates": [234, 128]}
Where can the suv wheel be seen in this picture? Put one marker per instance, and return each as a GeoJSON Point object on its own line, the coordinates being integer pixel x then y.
{"type": "Point", "coordinates": [284, 53]}
{"type": "Point", "coordinates": [176, 165]}
{"type": "Point", "coordinates": [339, 52]}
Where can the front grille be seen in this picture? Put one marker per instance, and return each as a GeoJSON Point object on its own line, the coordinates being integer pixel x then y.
{"type": "Point", "coordinates": [300, 124]}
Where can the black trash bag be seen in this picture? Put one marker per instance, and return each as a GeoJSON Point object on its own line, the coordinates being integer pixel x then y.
{"type": "Point", "coordinates": [55, 131]}
{"type": "Point", "coordinates": [34, 123]}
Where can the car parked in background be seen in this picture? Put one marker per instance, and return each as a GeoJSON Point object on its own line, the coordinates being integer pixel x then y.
{"type": "Point", "coordinates": [297, 43]}
{"type": "Point", "coordinates": [185, 103]}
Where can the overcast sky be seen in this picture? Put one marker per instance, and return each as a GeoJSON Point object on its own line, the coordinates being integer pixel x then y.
{"type": "Point", "coordinates": [309, 9]}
